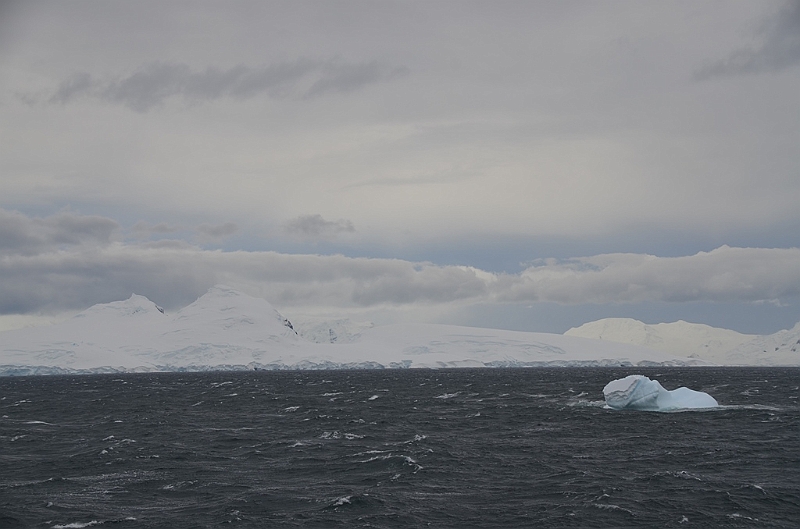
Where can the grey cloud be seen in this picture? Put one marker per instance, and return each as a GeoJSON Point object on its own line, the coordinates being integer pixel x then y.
{"type": "Point", "coordinates": [20, 234]}
{"type": "Point", "coordinates": [316, 227]}
{"type": "Point", "coordinates": [454, 175]}
{"type": "Point", "coordinates": [345, 78]}
{"type": "Point", "coordinates": [217, 232]}
{"type": "Point", "coordinates": [65, 262]}
{"type": "Point", "coordinates": [144, 230]}
{"type": "Point", "coordinates": [780, 48]}
{"type": "Point", "coordinates": [169, 244]}
{"type": "Point", "coordinates": [422, 284]}
{"type": "Point", "coordinates": [154, 83]}
{"type": "Point", "coordinates": [76, 85]}
{"type": "Point", "coordinates": [722, 275]}
{"type": "Point", "coordinates": [75, 280]}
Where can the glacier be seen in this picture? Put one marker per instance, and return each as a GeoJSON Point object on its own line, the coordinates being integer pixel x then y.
{"type": "Point", "coordinates": [227, 330]}
{"type": "Point", "coordinates": [638, 392]}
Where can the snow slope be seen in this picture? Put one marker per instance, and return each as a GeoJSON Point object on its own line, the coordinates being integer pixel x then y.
{"type": "Point", "coordinates": [225, 329]}
{"type": "Point", "coordinates": [331, 331]}
{"type": "Point", "coordinates": [781, 348]}
{"type": "Point", "coordinates": [680, 338]}
{"type": "Point", "coordinates": [222, 325]}
{"type": "Point", "coordinates": [435, 345]}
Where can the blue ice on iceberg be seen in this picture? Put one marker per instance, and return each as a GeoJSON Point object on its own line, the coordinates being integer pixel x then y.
{"type": "Point", "coordinates": [637, 392]}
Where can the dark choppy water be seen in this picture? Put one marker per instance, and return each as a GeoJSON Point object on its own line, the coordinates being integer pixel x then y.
{"type": "Point", "coordinates": [397, 448]}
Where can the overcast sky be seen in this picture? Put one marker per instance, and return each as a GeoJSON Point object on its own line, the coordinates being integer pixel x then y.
{"type": "Point", "coordinates": [527, 165]}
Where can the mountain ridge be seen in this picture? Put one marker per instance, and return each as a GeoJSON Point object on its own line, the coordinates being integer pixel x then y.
{"type": "Point", "coordinates": [695, 340]}
{"type": "Point", "coordinates": [225, 329]}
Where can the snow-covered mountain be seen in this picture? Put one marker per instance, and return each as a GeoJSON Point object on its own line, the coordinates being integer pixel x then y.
{"type": "Point", "coordinates": [693, 340]}
{"type": "Point", "coordinates": [135, 334]}
{"type": "Point", "coordinates": [781, 348]}
{"type": "Point", "coordinates": [340, 330]}
{"type": "Point", "coordinates": [679, 338]}
{"type": "Point", "coordinates": [225, 329]}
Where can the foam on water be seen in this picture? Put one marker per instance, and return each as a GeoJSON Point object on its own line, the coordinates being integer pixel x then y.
{"type": "Point", "coordinates": [77, 525]}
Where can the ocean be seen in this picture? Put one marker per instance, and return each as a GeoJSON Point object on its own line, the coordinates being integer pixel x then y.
{"type": "Point", "coordinates": [397, 448]}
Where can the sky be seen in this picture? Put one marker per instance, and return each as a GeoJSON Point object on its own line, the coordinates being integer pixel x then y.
{"type": "Point", "coordinates": [521, 165]}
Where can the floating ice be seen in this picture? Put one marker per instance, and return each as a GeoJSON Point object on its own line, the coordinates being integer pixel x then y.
{"type": "Point", "coordinates": [637, 392]}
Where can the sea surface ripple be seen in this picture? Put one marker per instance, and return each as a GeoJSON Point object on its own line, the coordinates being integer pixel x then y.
{"type": "Point", "coordinates": [397, 448]}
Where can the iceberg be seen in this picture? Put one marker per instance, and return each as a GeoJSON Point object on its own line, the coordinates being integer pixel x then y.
{"type": "Point", "coordinates": [637, 392]}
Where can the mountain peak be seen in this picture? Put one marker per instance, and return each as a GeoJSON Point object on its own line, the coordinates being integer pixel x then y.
{"type": "Point", "coordinates": [223, 305]}
{"type": "Point", "coordinates": [222, 291]}
{"type": "Point", "coordinates": [135, 305]}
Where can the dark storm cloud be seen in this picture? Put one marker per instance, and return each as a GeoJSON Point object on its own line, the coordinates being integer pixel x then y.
{"type": "Point", "coordinates": [316, 227]}
{"type": "Point", "coordinates": [780, 48]}
{"type": "Point", "coordinates": [154, 83]}
{"type": "Point", "coordinates": [20, 234]}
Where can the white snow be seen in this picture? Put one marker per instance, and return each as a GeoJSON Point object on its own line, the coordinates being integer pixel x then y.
{"type": "Point", "coordinates": [681, 338]}
{"type": "Point", "coordinates": [440, 346]}
{"type": "Point", "coordinates": [781, 348]}
{"type": "Point", "coordinates": [693, 340]}
{"type": "Point", "coordinates": [225, 329]}
{"type": "Point", "coordinates": [637, 392]}
{"type": "Point", "coordinates": [341, 330]}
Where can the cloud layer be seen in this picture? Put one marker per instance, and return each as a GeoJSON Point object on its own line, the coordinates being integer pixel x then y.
{"type": "Point", "coordinates": [722, 275]}
{"type": "Point", "coordinates": [317, 228]}
{"type": "Point", "coordinates": [41, 273]}
{"type": "Point", "coordinates": [22, 235]}
{"type": "Point", "coordinates": [649, 147]}
{"type": "Point", "coordinates": [154, 83]}
{"type": "Point", "coordinates": [779, 48]}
